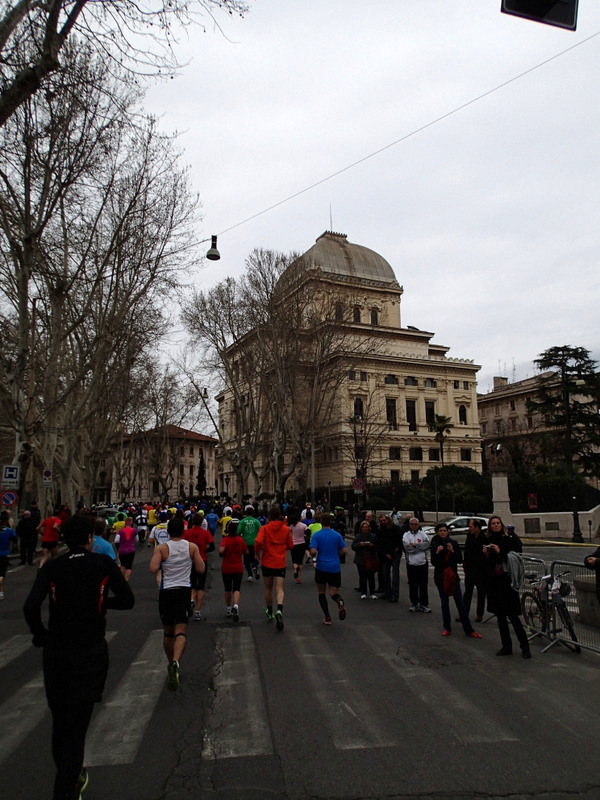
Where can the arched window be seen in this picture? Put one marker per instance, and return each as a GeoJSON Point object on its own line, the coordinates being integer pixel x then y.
{"type": "Point", "coordinates": [356, 314]}
{"type": "Point", "coordinates": [339, 312]}
{"type": "Point", "coordinates": [358, 407]}
{"type": "Point", "coordinates": [462, 415]}
{"type": "Point", "coordinates": [374, 317]}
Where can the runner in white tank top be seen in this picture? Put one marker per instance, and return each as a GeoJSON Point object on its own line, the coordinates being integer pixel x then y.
{"type": "Point", "coordinates": [175, 558]}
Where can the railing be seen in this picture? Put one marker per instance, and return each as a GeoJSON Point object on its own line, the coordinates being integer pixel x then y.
{"type": "Point", "coordinates": [567, 609]}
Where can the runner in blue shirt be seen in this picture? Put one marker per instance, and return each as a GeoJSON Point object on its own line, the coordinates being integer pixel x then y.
{"type": "Point", "coordinates": [100, 544]}
{"type": "Point", "coordinates": [328, 546]}
{"type": "Point", "coordinates": [212, 520]}
{"type": "Point", "coordinates": [6, 535]}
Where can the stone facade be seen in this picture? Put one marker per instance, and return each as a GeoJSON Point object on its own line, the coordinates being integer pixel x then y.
{"type": "Point", "coordinates": [158, 464]}
{"type": "Point", "coordinates": [395, 381]}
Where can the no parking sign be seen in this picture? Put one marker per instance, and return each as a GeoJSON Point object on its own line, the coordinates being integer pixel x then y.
{"type": "Point", "coordinates": [9, 498]}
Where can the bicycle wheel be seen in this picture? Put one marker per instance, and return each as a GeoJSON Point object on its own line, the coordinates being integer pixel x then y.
{"type": "Point", "coordinates": [533, 613]}
{"type": "Point", "coordinates": [563, 613]}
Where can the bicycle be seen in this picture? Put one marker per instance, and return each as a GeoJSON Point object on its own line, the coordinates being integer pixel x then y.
{"type": "Point", "coordinates": [544, 604]}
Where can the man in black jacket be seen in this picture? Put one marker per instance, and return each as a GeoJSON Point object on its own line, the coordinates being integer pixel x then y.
{"type": "Point", "coordinates": [389, 538]}
{"type": "Point", "coordinates": [75, 655]}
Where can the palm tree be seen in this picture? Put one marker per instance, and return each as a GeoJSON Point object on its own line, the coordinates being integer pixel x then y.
{"type": "Point", "coordinates": [441, 426]}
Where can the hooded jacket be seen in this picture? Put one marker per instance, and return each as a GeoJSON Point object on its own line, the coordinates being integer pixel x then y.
{"type": "Point", "coordinates": [273, 540]}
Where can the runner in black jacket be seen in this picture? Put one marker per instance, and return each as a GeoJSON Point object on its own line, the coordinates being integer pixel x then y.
{"type": "Point", "coordinates": [75, 655]}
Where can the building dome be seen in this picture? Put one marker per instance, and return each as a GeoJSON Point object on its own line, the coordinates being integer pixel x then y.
{"type": "Point", "coordinates": [334, 255]}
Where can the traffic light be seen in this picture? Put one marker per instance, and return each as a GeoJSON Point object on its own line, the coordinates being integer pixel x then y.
{"type": "Point", "coordinates": [562, 13]}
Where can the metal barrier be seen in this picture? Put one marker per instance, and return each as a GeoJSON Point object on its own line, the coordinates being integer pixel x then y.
{"type": "Point", "coordinates": [564, 609]}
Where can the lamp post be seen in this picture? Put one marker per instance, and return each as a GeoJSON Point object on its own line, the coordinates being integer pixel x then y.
{"type": "Point", "coordinates": [227, 479]}
{"type": "Point", "coordinates": [577, 534]}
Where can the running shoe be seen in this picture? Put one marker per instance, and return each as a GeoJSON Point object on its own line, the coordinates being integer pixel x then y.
{"type": "Point", "coordinates": [228, 613]}
{"type": "Point", "coordinates": [363, 597]}
{"type": "Point", "coordinates": [341, 609]}
{"type": "Point", "coordinates": [173, 676]}
{"type": "Point", "coordinates": [414, 608]}
{"type": "Point", "coordinates": [446, 632]}
{"type": "Point", "coordinates": [82, 783]}
{"type": "Point", "coordinates": [256, 574]}
{"type": "Point", "coordinates": [296, 574]}
{"type": "Point", "coordinates": [374, 597]}
{"type": "Point", "coordinates": [250, 578]}
{"type": "Point", "coordinates": [1, 595]}
{"type": "Point", "coordinates": [327, 621]}
{"type": "Point", "coordinates": [270, 615]}
{"type": "Point", "coordinates": [235, 614]}
{"type": "Point", "coordinates": [425, 609]}
{"type": "Point", "coordinates": [475, 635]}
{"type": "Point", "coordinates": [279, 619]}
{"type": "Point", "coordinates": [198, 616]}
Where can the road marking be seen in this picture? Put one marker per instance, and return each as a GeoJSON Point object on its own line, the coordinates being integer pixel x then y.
{"type": "Point", "coordinates": [238, 724]}
{"type": "Point", "coordinates": [14, 647]}
{"type": "Point", "coordinates": [449, 707]}
{"type": "Point", "coordinates": [19, 719]}
{"type": "Point", "coordinates": [347, 713]}
{"type": "Point", "coordinates": [116, 732]}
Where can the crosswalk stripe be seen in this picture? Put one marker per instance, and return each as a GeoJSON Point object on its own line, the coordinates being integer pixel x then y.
{"type": "Point", "coordinates": [451, 708]}
{"type": "Point", "coordinates": [13, 648]}
{"type": "Point", "coordinates": [19, 719]}
{"type": "Point", "coordinates": [238, 724]}
{"type": "Point", "coordinates": [116, 732]}
{"type": "Point", "coordinates": [351, 720]}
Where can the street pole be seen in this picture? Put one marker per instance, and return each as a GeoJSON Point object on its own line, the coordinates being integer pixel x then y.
{"type": "Point", "coordinates": [577, 535]}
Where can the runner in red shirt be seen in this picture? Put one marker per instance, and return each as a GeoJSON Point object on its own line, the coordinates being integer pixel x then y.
{"type": "Point", "coordinates": [50, 528]}
{"type": "Point", "coordinates": [232, 550]}
{"type": "Point", "coordinates": [205, 543]}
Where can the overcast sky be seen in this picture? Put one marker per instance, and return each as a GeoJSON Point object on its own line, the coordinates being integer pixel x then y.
{"type": "Point", "coordinates": [487, 209]}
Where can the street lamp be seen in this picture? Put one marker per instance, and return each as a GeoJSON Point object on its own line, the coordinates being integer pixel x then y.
{"type": "Point", "coordinates": [227, 479]}
{"type": "Point", "coordinates": [577, 534]}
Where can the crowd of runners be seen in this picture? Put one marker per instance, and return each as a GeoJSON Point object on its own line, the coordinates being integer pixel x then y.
{"type": "Point", "coordinates": [94, 575]}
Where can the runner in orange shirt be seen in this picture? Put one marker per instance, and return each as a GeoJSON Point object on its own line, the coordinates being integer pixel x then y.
{"type": "Point", "coordinates": [272, 543]}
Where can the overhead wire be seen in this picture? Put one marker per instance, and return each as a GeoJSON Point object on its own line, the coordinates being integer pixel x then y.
{"type": "Point", "coordinates": [412, 133]}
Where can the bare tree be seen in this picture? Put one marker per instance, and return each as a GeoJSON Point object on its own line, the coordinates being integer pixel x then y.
{"type": "Point", "coordinates": [95, 220]}
{"type": "Point", "coordinates": [281, 354]}
{"type": "Point", "coordinates": [140, 35]}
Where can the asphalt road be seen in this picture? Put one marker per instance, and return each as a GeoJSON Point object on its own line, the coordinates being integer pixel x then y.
{"type": "Point", "coordinates": [377, 706]}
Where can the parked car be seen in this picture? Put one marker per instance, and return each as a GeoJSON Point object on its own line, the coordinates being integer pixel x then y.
{"type": "Point", "coordinates": [457, 525]}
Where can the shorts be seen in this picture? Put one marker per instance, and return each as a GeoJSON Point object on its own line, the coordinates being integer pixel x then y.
{"type": "Point", "coordinates": [298, 552]}
{"type": "Point", "coordinates": [232, 581]}
{"type": "Point", "coordinates": [127, 560]}
{"type": "Point", "coordinates": [3, 566]}
{"type": "Point", "coordinates": [75, 676]}
{"type": "Point", "coordinates": [331, 578]}
{"type": "Point", "coordinates": [198, 580]}
{"type": "Point", "coordinates": [49, 545]}
{"type": "Point", "coordinates": [174, 605]}
{"type": "Point", "coordinates": [273, 572]}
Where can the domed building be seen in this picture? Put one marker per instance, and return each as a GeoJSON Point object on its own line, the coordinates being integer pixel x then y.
{"type": "Point", "coordinates": [366, 398]}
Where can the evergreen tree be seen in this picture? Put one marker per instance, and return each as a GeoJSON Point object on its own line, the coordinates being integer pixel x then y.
{"type": "Point", "coordinates": [568, 400]}
{"type": "Point", "coordinates": [201, 476]}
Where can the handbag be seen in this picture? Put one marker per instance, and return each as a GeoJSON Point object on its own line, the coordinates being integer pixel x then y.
{"type": "Point", "coordinates": [449, 578]}
{"type": "Point", "coordinates": [371, 561]}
